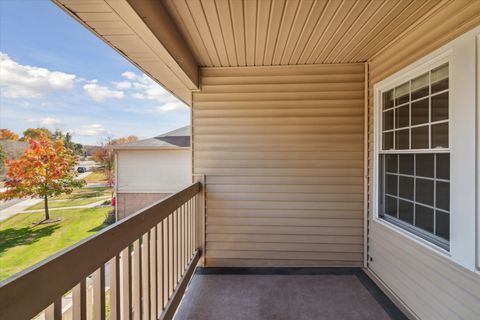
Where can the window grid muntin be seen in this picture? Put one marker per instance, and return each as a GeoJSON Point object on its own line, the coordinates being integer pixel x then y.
{"type": "Point", "coordinates": [432, 237]}
{"type": "Point", "coordinates": [428, 124]}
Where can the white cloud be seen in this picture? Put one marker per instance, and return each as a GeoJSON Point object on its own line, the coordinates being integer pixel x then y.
{"type": "Point", "coordinates": [147, 89]}
{"type": "Point", "coordinates": [171, 106]}
{"type": "Point", "coordinates": [91, 130]}
{"type": "Point", "coordinates": [49, 121]}
{"type": "Point", "coordinates": [100, 93]}
{"type": "Point", "coordinates": [24, 81]}
{"type": "Point", "coordinates": [122, 85]}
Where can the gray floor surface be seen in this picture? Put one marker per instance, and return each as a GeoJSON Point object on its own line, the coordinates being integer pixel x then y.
{"type": "Point", "coordinates": [279, 297]}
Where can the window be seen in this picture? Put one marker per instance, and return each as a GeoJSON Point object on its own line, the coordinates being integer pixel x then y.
{"type": "Point", "coordinates": [414, 155]}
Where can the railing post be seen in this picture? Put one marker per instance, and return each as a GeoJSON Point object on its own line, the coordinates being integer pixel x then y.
{"type": "Point", "coordinates": [200, 217]}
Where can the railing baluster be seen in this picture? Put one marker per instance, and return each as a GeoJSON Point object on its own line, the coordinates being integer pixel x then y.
{"type": "Point", "coordinates": [175, 252]}
{"type": "Point", "coordinates": [54, 311]}
{"type": "Point", "coordinates": [136, 280]}
{"type": "Point", "coordinates": [99, 293]}
{"type": "Point", "coordinates": [114, 284]}
{"type": "Point", "coordinates": [166, 274]}
{"type": "Point", "coordinates": [79, 301]}
{"type": "Point", "coordinates": [153, 273]}
{"type": "Point", "coordinates": [126, 292]}
{"type": "Point", "coordinates": [181, 233]}
{"type": "Point", "coordinates": [170, 255]}
{"type": "Point", "coordinates": [146, 276]}
{"type": "Point", "coordinates": [160, 268]}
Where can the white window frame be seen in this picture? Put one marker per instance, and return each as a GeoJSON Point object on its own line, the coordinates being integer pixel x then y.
{"type": "Point", "coordinates": [461, 57]}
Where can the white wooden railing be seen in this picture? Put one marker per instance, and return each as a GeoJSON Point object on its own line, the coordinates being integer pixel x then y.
{"type": "Point", "coordinates": [137, 268]}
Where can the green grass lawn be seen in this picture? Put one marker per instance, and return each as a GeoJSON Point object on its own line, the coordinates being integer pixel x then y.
{"type": "Point", "coordinates": [68, 203]}
{"type": "Point", "coordinates": [85, 193]}
{"type": "Point", "coordinates": [96, 176]}
{"type": "Point", "coordinates": [23, 244]}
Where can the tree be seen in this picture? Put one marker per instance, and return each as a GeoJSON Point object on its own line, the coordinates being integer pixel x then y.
{"type": "Point", "coordinates": [46, 169]}
{"type": "Point", "coordinates": [37, 134]}
{"type": "Point", "coordinates": [6, 134]}
{"type": "Point", "coordinates": [3, 156]}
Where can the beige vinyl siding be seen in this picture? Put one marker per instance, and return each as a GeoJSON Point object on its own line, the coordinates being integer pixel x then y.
{"type": "Point", "coordinates": [282, 152]}
{"type": "Point", "coordinates": [430, 285]}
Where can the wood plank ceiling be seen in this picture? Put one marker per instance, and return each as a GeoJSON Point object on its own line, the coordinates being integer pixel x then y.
{"type": "Point", "coordinates": [225, 33]}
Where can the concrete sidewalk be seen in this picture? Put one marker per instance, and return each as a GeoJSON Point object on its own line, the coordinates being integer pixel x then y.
{"type": "Point", "coordinates": [17, 208]}
{"type": "Point", "coordinates": [91, 205]}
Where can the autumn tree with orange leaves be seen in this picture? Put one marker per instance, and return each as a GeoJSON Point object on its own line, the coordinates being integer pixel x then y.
{"type": "Point", "coordinates": [6, 134]}
{"type": "Point", "coordinates": [46, 169]}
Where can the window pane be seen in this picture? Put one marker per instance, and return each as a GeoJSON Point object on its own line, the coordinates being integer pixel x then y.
{"type": "Point", "coordinates": [420, 112]}
{"type": "Point", "coordinates": [420, 87]}
{"type": "Point", "coordinates": [388, 120]}
{"type": "Point", "coordinates": [405, 186]}
{"type": "Point", "coordinates": [403, 139]}
{"type": "Point", "coordinates": [420, 137]}
{"type": "Point", "coordinates": [425, 165]}
{"type": "Point", "coordinates": [443, 195]}
{"type": "Point", "coordinates": [424, 191]}
{"type": "Point", "coordinates": [442, 224]}
{"type": "Point", "coordinates": [402, 94]}
{"type": "Point", "coordinates": [391, 163]}
{"type": "Point", "coordinates": [443, 166]}
{"type": "Point", "coordinates": [440, 78]}
{"type": "Point", "coordinates": [391, 206]}
{"type": "Point", "coordinates": [440, 107]}
{"type": "Point", "coordinates": [440, 135]}
{"type": "Point", "coordinates": [388, 141]}
{"type": "Point", "coordinates": [391, 184]}
{"type": "Point", "coordinates": [406, 164]}
{"type": "Point", "coordinates": [388, 99]}
{"type": "Point", "coordinates": [405, 211]}
{"type": "Point", "coordinates": [424, 218]}
{"type": "Point", "coordinates": [402, 117]}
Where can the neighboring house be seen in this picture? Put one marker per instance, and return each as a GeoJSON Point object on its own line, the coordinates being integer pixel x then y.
{"type": "Point", "coordinates": [151, 169]}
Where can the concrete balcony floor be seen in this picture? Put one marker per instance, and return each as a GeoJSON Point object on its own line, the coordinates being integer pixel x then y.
{"type": "Point", "coordinates": [285, 293]}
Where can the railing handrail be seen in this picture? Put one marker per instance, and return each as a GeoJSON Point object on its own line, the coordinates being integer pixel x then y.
{"type": "Point", "coordinates": [23, 295]}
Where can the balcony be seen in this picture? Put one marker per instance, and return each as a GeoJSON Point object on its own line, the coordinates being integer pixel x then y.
{"type": "Point", "coordinates": [147, 267]}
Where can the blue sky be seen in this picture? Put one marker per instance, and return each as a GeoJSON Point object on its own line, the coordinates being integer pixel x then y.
{"type": "Point", "coordinates": [54, 73]}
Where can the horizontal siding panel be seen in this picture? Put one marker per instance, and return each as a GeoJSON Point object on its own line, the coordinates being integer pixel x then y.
{"type": "Point", "coordinates": [289, 180]}
{"type": "Point", "coordinates": [243, 254]}
{"type": "Point", "coordinates": [284, 196]}
{"type": "Point", "coordinates": [282, 70]}
{"type": "Point", "coordinates": [293, 221]}
{"type": "Point", "coordinates": [250, 163]}
{"type": "Point", "coordinates": [290, 238]}
{"type": "Point", "coordinates": [282, 152]}
{"type": "Point", "coordinates": [316, 189]}
{"type": "Point", "coordinates": [261, 96]}
{"type": "Point", "coordinates": [297, 247]}
{"type": "Point", "coordinates": [289, 230]}
{"type": "Point", "coordinates": [281, 172]}
{"type": "Point", "coordinates": [275, 214]}
{"type": "Point", "coordinates": [300, 205]}
{"type": "Point", "coordinates": [280, 79]}
{"type": "Point", "coordinates": [232, 262]}
{"type": "Point", "coordinates": [274, 130]}
{"type": "Point", "coordinates": [282, 87]}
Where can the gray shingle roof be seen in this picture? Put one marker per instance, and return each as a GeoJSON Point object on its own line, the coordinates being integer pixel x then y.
{"type": "Point", "coordinates": [176, 139]}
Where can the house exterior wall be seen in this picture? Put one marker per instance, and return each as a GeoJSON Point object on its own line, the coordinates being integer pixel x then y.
{"type": "Point", "coordinates": [145, 176]}
{"type": "Point", "coordinates": [282, 152]}
{"type": "Point", "coordinates": [129, 203]}
{"type": "Point", "coordinates": [431, 285]}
